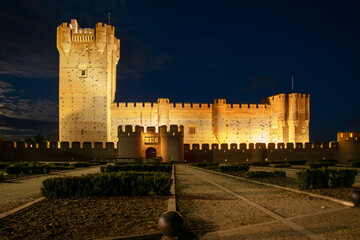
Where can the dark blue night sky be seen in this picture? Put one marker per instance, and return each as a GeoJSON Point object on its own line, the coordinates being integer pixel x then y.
{"type": "Point", "coordinates": [190, 51]}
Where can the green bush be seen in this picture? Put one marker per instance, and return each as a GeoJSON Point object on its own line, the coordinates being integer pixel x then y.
{"type": "Point", "coordinates": [325, 178]}
{"type": "Point", "coordinates": [2, 177]}
{"type": "Point", "coordinates": [3, 165]}
{"type": "Point", "coordinates": [138, 168]}
{"type": "Point", "coordinates": [328, 161]}
{"type": "Point", "coordinates": [264, 164]}
{"type": "Point", "coordinates": [355, 164]}
{"type": "Point", "coordinates": [59, 167]}
{"type": "Point", "coordinates": [13, 170]}
{"type": "Point", "coordinates": [81, 165]}
{"type": "Point", "coordinates": [108, 184]}
{"type": "Point", "coordinates": [264, 174]}
{"type": "Point", "coordinates": [317, 165]}
{"type": "Point", "coordinates": [277, 162]}
{"type": "Point", "coordinates": [204, 164]}
{"type": "Point", "coordinates": [285, 165]}
{"type": "Point", "coordinates": [297, 162]}
{"type": "Point", "coordinates": [234, 168]}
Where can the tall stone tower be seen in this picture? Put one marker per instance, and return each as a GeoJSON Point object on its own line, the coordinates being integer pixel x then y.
{"type": "Point", "coordinates": [87, 81]}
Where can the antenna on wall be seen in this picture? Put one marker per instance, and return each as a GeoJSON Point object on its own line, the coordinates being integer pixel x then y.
{"type": "Point", "coordinates": [292, 83]}
{"type": "Point", "coordinates": [108, 18]}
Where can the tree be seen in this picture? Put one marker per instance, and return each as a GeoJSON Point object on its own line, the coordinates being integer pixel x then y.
{"type": "Point", "coordinates": [53, 137]}
{"type": "Point", "coordinates": [39, 138]}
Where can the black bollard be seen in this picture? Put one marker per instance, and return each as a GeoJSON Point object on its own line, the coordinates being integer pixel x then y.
{"type": "Point", "coordinates": [355, 197]}
{"type": "Point", "coordinates": [171, 224]}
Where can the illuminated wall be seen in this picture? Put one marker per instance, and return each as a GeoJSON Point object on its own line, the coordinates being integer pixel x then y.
{"type": "Point", "coordinates": [88, 111]}
{"type": "Point", "coordinates": [87, 81]}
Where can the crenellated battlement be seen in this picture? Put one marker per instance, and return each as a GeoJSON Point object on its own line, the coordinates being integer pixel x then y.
{"type": "Point", "coordinates": [269, 146]}
{"type": "Point", "coordinates": [173, 131]}
{"type": "Point", "coordinates": [125, 130]}
{"type": "Point", "coordinates": [348, 137]}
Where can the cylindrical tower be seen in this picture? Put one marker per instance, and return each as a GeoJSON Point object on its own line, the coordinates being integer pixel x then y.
{"type": "Point", "coordinates": [130, 142]}
{"type": "Point", "coordinates": [293, 116]}
{"type": "Point", "coordinates": [172, 143]}
{"type": "Point", "coordinates": [219, 120]}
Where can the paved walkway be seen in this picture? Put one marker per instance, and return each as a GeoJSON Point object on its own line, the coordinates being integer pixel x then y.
{"type": "Point", "coordinates": [221, 207]}
{"type": "Point", "coordinates": [19, 192]}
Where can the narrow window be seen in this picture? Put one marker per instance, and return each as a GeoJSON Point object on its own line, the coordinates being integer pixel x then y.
{"type": "Point", "coordinates": [192, 130]}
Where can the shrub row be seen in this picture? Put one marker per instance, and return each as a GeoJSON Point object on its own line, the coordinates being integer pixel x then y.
{"type": "Point", "coordinates": [108, 184]}
{"type": "Point", "coordinates": [1, 177]}
{"type": "Point", "coordinates": [59, 167]}
{"type": "Point", "coordinates": [234, 168]}
{"type": "Point", "coordinates": [291, 162]}
{"type": "Point", "coordinates": [81, 164]}
{"type": "Point", "coordinates": [355, 164]}
{"type": "Point", "coordinates": [204, 164]}
{"type": "Point", "coordinates": [316, 165]}
{"type": "Point", "coordinates": [264, 174]}
{"type": "Point", "coordinates": [138, 168]}
{"type": "Point", "coordinates": [3, 165]}
{"type": "Point", "coordinates": [126, 163]}
{"type": "Point", "coordinates": [28, 170]}
{"type": "Point", "coordinates": [263, 164]}
{"type": "Point", "coordinates": [325, 178]}
{"type": "Point", "coordinates": [328, 161]}
{"type": "Point", "coordinates": [285, 165]}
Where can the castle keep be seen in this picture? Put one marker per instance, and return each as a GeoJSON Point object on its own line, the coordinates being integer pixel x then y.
{"type": "Point", "coordinates": [88, 111]}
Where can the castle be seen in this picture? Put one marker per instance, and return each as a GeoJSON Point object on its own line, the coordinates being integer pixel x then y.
{"type": "Point", "coordinates": [93, 126]}
{"type": "Point", "coordinates": [88, 111]}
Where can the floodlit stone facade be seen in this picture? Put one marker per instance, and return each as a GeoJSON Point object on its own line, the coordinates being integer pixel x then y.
{"type": "Point", "coordinates": [88, 111]}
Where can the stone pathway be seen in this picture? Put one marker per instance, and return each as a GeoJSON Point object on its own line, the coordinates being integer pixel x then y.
{"type": "Point", "coordinates": [221, 207]}
{"type": "Point", "coordinates": [18, 192]}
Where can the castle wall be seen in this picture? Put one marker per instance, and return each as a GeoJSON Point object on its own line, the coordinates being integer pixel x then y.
{"type": "Point", "coordinates": [234, 153]}
{"type": "Point", "coordinates": [282, 118]}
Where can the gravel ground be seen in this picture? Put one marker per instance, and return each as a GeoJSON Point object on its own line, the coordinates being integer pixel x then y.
{"type": "Point", "coordinates": [18, 192]}
{"type": "Point", "coordinates": [282, 202]}
{"type": "Point", "coordinates": [325, 218]}
{"type": "Point", "coordinates": [207, 208]}
{"type": "Point", "coordinates": [338, 225]}
{"type": "Point", "coordinates": [85, 218]}
{"type": "Point", "coordinates": [340, 193]}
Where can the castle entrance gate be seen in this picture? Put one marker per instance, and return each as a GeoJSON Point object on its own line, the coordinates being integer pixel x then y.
{"type": "Point", "coordinates": [150, 153]}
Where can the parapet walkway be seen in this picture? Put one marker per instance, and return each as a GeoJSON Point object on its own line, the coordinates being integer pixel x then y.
{"type": "Point", "coordinates": [222, 207]}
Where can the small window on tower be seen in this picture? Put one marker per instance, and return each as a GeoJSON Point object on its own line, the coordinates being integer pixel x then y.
{"type": "Point", "coordinates": [192, 130]}
{"type": "Point", "coordinates": [83, 73]}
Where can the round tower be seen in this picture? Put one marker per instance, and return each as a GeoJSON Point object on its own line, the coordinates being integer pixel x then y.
{"type": "Point", "coordinates": [219, 119]}
{"type": "Point", "coordinates": [129, 141]}
{"type": "Point", "coordinates": [172, 143]}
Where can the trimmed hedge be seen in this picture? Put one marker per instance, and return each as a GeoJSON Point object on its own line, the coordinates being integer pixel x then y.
{"type": "Point", "coordinates": [264, 164]}
{"type": "Point", "coordinates": [264, 174]}
{"type": "Point", "coordinates": [138, 168]}
{"type": "Point", "coordinates": [3, 165]}
{"type": "Point", "coordinates": [317, 165]}
{"type": "Point", "coordinates": [2, 177]}
{"type": "Point", "coordinates": [108, 184]}
{"type": "Point", "coordinates": [204, 164]}
{"type": "Point", "coordinates": [325, 178]}
{"type": "Point", "coordinates": [234, 168]}
{"type": "Point", "coordinates": [291, 162]}
{"type": "Point", "coordinates": [59, 167]}
{"type": "Point", "coordinates": [328, 161]}
{"type": "Point", "coordinates": [13, 170]}
{"type": "Point", "coordinates": [355, 164]}
{"type": "Point", "coordinates": [285, 165]}
{"type": "Point", "coordinates": [81, 164]}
